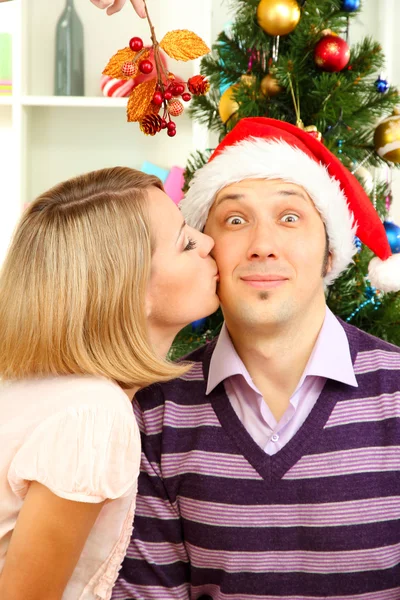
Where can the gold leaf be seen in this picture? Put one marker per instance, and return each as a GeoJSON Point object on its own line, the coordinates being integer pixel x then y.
{"type": "Point", "coordinates": [113, 69]}
{"type": "Point", "coordinates": [140, 99]}
{"type": "Point", "coordinates": [182, 44]}
{"type": "Point", "coordinates": [114, 66]}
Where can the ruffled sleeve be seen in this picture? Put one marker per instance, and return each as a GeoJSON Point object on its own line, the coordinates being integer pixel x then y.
{"type": "Point", "coordinates": [85, 453]}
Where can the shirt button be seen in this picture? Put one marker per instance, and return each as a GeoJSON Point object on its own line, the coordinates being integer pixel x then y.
{"type": "Point", "coordinates": [275, 437]}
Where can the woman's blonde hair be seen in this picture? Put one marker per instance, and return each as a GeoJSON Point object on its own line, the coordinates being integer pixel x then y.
{"type": "Point", "coordinates": [73, 284]}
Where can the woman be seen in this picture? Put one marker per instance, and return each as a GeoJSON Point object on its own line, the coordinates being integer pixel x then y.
{"type": "Point", "coordinates": [101, 274]}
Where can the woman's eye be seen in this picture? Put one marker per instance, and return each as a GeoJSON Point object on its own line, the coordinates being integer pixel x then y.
{"type": "Point", "coordinates": [290, 218]}
{"type": "Point", "coordinates": [190, 245]}
{"type": "Point", "coordinates": [235, 220]}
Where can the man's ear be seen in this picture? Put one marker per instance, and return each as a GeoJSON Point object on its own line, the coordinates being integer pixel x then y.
{"type": "Point", "coordinates": [329, 262]}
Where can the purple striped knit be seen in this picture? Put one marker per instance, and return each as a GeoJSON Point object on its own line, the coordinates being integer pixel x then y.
{"type": "Point", "coordinates": [217, 518]}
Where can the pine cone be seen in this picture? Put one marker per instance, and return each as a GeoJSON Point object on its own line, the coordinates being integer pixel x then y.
{"type": "Point", "coordinates": [198, 85]}
{"type": "Point", "coordinates": [151, 124]}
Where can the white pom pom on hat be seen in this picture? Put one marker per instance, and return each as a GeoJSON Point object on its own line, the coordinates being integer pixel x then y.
{"type": "Point", "coordinates": [263, 148]}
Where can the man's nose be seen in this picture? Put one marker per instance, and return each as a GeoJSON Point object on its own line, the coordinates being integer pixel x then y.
{"type": "Point", "coordinates": [264, 242]}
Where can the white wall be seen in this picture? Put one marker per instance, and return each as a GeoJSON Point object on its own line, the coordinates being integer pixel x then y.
{"type": "Point", "coordinates": [380, 18]}
{"type": "Point", "coordinates": [8, 169]}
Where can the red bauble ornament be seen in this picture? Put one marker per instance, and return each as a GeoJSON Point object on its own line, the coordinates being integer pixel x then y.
{"type": "Point", "coordinates": [129, 69]}
{"type": "Point", "coordinates": [175, 108]}
{"type": "Point", "coordinates": [332, 53]}
{"type": "Point", "coordinates": [146, 67]}
{"type": "Point", "coordinates": [171, 132]}
{"type": "Point", "coordinates": [136, 44]}
{"type": "Point", "coordinates": [158, 98]}
{"type": "Point", "coordinates": [167, 95]}
{"type": "Point", "coordinates": [186, 97]}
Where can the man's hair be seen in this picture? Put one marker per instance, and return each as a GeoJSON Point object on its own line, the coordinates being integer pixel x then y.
{"type": "Point", "coordinates": [73, 284]}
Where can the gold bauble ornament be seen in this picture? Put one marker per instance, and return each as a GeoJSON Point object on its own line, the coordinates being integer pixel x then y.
{"type": "Point", "coordinates": [227, 104]}
{"type": "Point", "coordinates": [278, 17]}
{"type": "Point", "coordinates": [270, 86]}
{"type": "Point", "coordinates": [387, 137]}
{"type": "Point", "coordinates": [313, 131]}
{"type": "Point", "coordinates": [248, 80]}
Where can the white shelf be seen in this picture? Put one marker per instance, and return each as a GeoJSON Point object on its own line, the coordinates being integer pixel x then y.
{"type": "Point", "coordinates": [6, 101]}
{"type": "Point", "coordinates": [78, 101]}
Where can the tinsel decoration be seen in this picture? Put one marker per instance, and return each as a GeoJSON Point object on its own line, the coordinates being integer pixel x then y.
{"type": "Point", "coordinates": [373, 296]}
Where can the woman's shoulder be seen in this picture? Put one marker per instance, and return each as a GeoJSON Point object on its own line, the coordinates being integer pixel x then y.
{"type": "Point", "coordinates": [68, 390]}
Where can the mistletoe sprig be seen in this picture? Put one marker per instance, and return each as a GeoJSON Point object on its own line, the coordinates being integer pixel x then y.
{"type": "Point", "coordinates": [155, 98]}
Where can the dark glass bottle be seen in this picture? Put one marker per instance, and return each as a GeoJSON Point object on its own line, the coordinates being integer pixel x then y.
{"type": "Point", "coordinates": [69, 61]}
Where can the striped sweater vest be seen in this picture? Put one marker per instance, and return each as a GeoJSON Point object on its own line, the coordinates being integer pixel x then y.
{"type": "Point", "coordinates": [219, 519]}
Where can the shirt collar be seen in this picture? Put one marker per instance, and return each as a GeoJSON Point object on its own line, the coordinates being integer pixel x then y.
{"type": "Point", "coordinates": [330, 357]}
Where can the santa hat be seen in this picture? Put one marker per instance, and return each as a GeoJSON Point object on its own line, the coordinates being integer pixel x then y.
{"type": "Point", "coordinates": [262, 148]}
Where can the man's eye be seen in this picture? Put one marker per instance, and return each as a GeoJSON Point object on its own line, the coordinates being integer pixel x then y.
{"type": "Point", "coordinates": [235, 220]}
{"type": "Point", "coordinates": [290, 218]}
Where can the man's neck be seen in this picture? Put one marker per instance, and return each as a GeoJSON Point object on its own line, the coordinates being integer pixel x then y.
{"type": "Point", "coordinates": [277, 356]}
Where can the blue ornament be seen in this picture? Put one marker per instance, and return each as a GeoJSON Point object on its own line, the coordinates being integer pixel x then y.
{"type": "Point", "coordinates": [393, 235]}
{"type": "Point", "coordinates": [199, 325]}
{"type": "Point", "coordinates": [350, 5]}
{"type": "Point", "coordinates": [382, 85]}
{"type": "Point", "coordinates": [358, 243]}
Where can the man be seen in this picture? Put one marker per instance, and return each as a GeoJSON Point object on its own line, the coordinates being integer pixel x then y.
{"type": "Point", "coordinates": [271, 470]}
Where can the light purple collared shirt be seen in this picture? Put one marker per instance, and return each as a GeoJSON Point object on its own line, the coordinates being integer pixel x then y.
{"type": "Point", "coordinates": [330, 359]}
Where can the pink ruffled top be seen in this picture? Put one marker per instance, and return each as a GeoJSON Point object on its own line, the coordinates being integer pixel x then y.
{"type": "Point", "coordinates": [76, 435]}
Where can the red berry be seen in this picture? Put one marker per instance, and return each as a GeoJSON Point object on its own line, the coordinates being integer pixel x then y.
{"type": "Point", "coordinates": [136, 44]}
{"type": "Point", "coordinates": [171, 132]}
{"type": "Point", "coordinates": [158, 98]}
{"type": "Point", "coordinates": [186, 97]}
{"type": "Point", "coordinates": [171, 126]}
{"type": "Point", "coordinates": [167, 95]}
{"type": "Point", "coordinates": [179, 88]}
{"type": "Point", "coordinates": [146, 67]}
{"type": "Point", "coordinates": [163, 124]}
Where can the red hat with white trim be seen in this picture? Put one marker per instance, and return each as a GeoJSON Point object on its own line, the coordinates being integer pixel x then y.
{"type": "Point", "coordinates": [263, 148]}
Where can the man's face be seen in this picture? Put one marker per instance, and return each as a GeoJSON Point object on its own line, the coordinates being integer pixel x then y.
{"type": "Point", "coordinates": [270, 246]}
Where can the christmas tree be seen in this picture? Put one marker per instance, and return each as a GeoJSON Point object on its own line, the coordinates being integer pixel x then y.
{"type": "Point", "coordinates": [291, 61]}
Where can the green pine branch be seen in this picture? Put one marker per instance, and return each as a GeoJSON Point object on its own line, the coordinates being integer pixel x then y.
{"type": "Point", "coordinates": [345, 107]}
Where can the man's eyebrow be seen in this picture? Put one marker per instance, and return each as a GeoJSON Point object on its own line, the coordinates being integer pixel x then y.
{"type": "Point", "coordinates": [180, 231]}
{"type": "Point", "coordinates": [225, 197]}
{"type": "Point", "coordinates": [286, 192]}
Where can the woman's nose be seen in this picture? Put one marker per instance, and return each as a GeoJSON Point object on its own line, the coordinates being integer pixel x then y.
{"type": "Point", "coordinates": [206, 244]}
